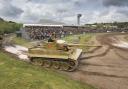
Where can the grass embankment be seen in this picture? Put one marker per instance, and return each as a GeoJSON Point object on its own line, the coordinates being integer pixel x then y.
{"type": "Point", "coordinates": [15, 74]}
{"type": "Point", "coordinates": [9, 26]}
{"type": "Point", "coordinates": [84, 40]}
{"type": "Point", "coordinates": [21, 41]}
{"type": "Point", "coordinates": [81, 39]}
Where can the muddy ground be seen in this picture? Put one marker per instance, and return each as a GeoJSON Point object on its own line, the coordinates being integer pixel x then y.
{"type": "Point", "coordinates": [105, 67]}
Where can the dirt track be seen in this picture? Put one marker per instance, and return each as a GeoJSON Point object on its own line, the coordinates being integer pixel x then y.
{"type": "Point", "coordinates": [105, 67]}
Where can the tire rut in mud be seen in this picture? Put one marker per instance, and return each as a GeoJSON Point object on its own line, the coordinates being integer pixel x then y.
{"type": "Point", "coordinates": [100, 74]}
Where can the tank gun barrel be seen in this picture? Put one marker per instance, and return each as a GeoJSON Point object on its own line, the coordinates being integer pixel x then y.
{"type": "Point", "coordinates": [83, 45]}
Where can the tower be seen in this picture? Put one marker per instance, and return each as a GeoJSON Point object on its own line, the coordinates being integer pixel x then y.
{"type": "Point", "coordinates": [78, 18]}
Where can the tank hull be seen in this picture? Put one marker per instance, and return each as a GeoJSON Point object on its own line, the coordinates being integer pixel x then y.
{"type": "Point", "coordinates": [56, 59]}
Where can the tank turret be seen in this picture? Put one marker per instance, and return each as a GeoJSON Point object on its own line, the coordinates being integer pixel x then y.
{"type": "Point", "coordinates": [55, 54]}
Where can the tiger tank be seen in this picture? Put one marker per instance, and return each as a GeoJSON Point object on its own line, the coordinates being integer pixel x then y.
{"type": "Point", "coordinates": [55, 54]}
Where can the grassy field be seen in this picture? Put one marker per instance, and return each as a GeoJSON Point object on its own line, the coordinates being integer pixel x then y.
{"type": "Point", "coordinates": [15, 74]}
{"type": "Point", "coordinates": [22, 41]}
{"type": "Point", "coordinates": [83, 38]}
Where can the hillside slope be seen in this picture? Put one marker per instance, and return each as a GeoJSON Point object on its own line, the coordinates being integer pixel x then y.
{"type": "Point", "coordinates": [15, 74]}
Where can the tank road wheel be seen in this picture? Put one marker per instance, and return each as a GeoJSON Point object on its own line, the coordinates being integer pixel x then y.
{"type": "Point", "coordinates": [64, 66]}
{"type": "Point", "coordinates": [37, 61]}
{"type": "Point", "coordinates": [56, 64]}
{"type": "Point", "coordinates": [73, 65]}
{"type": "Point", "coordinates": [47, 63]}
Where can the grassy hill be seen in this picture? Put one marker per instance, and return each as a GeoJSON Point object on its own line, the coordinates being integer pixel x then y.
{"type": "Point", "coordinates": [8, 26]}
{"type": "Point", "coordinates": [15, 74]}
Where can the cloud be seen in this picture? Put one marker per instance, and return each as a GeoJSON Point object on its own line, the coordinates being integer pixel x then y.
{"type": "Point", "coordinates": [123, 11]}
{"type": "Point", "coordinates": [115, 2]}
{"type": "Point", "coordinates": [111, 14]}
{"type": "Point", "coordinates": [31, 11]}
{"type": "Point", "coordinates": [49, 1]}
{"type": "Point", "coordinates": [9, 10]}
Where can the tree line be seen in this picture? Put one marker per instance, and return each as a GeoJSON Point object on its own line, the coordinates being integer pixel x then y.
{"type": "Point", "coordinates": [9, 26]}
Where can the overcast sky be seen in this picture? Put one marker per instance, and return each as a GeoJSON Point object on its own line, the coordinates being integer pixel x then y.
{"type": "Point", "coordinates": [29, 11]}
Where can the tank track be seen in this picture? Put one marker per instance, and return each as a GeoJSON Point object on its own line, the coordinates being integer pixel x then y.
{"type": "Point", "coordinates": [57, 64]}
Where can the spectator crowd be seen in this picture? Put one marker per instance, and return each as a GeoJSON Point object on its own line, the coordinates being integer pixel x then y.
{"type": "Point", "coordinates": [45, 32]}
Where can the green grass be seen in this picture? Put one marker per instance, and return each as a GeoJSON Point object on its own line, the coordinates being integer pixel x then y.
{"type": "Point", "coordinates": [21, 41]}
{"type": "Point", "coordinates": [15, 74]}
{"type": "Point", "coordinates": [83, 38]}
